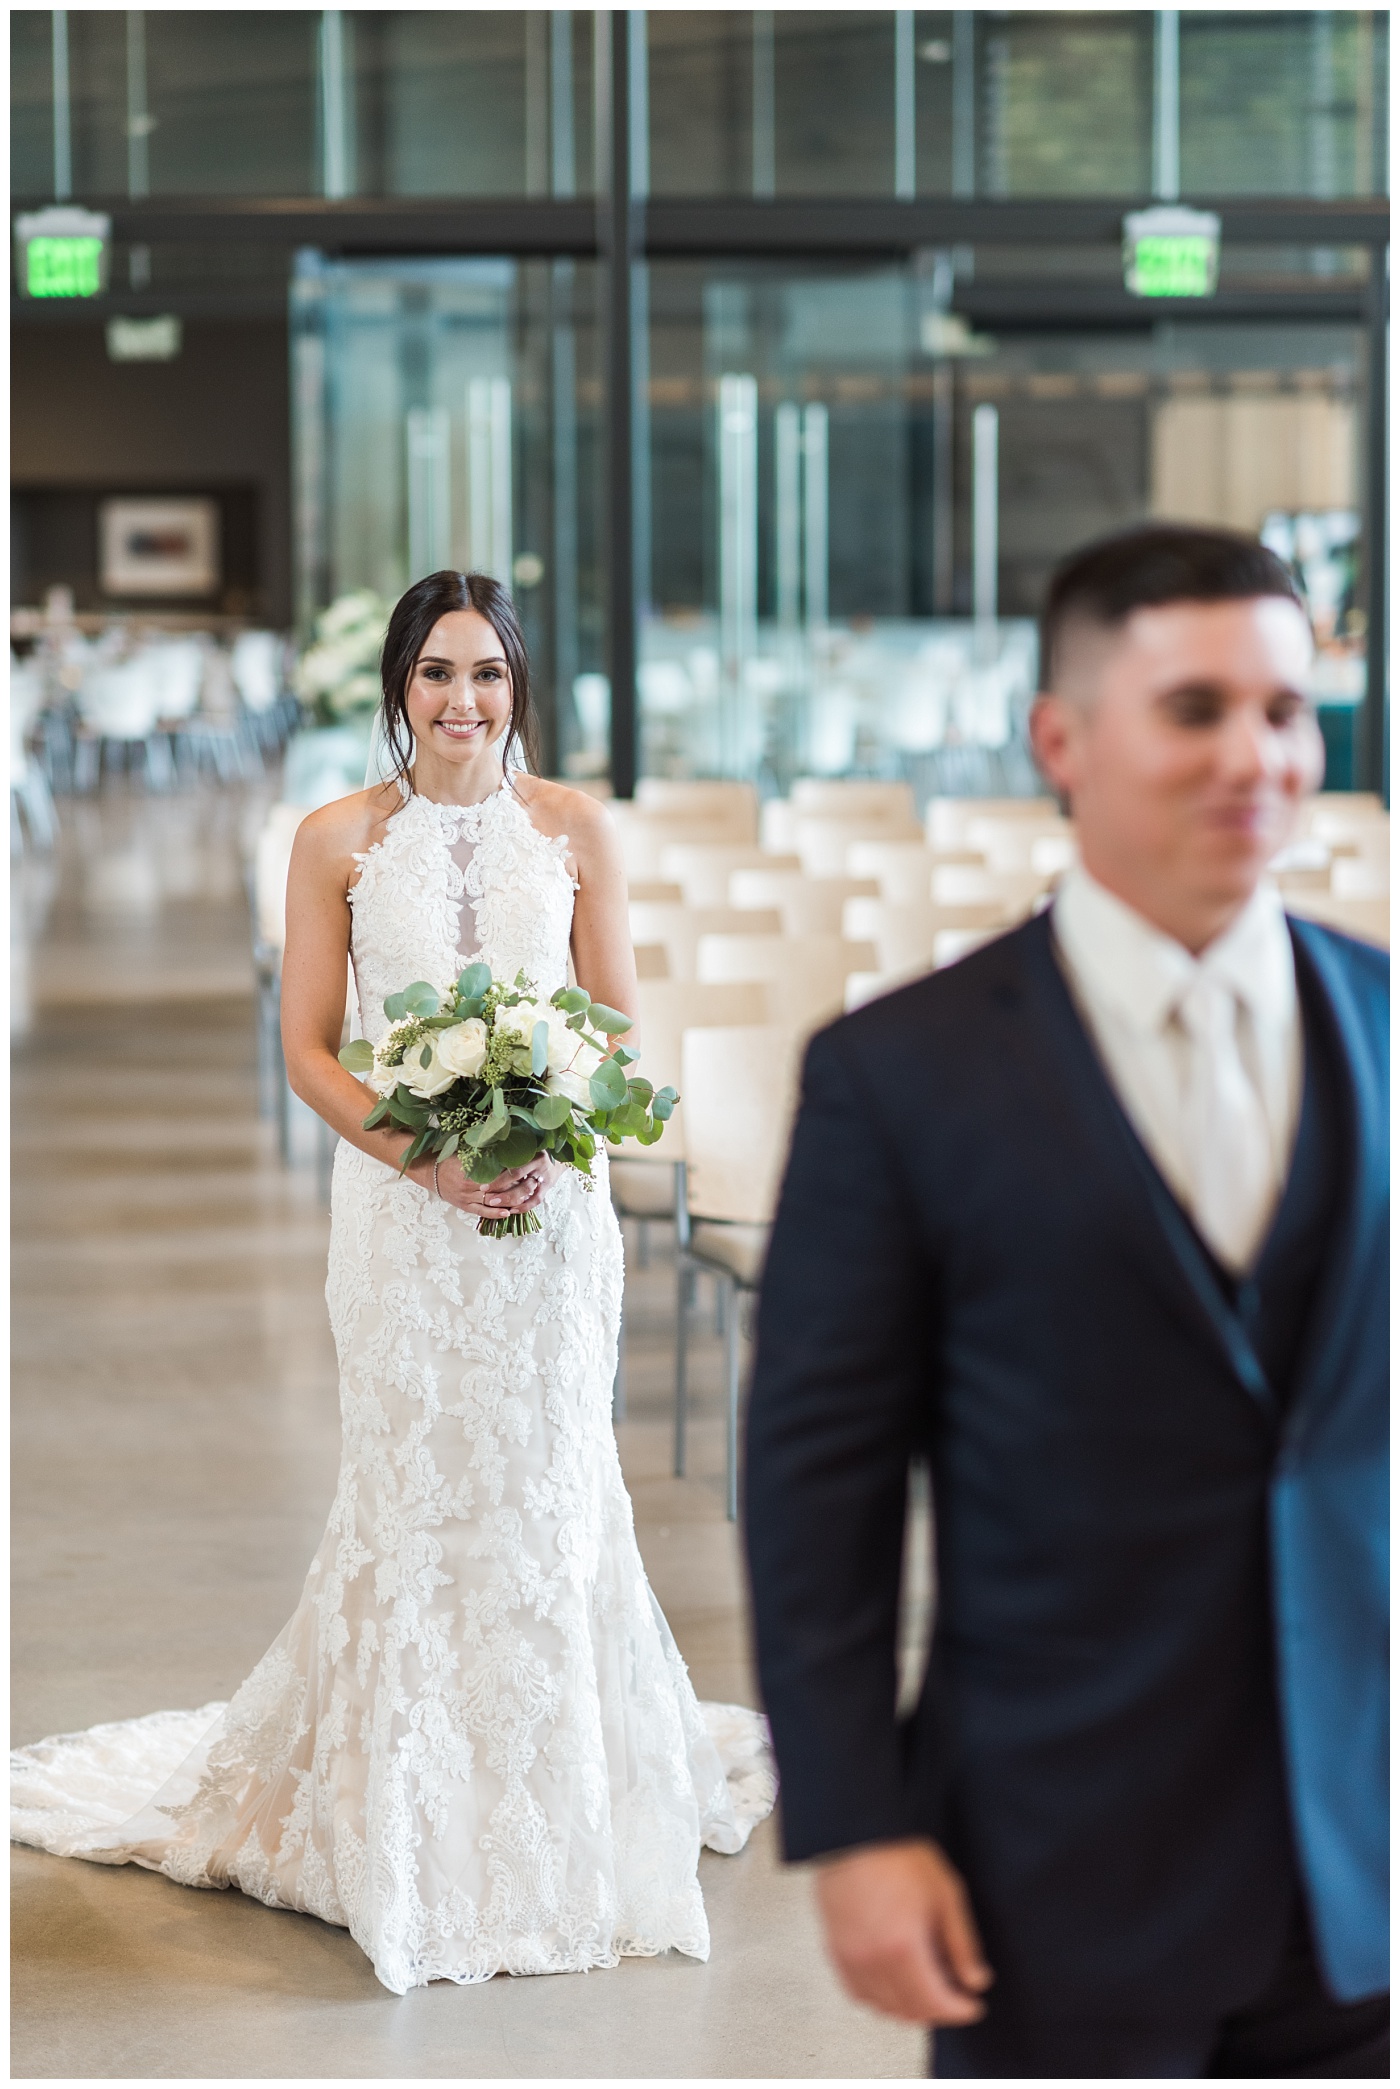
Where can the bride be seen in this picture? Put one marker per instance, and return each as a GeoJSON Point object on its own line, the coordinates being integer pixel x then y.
{"type": "Point", "coordinates": [474, 1744]}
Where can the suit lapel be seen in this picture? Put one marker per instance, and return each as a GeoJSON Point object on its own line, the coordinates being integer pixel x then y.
{"type": "Point", "coordinates": [1153, 1220]}
{"type": "Point", "coordinates": [1363, 1192]}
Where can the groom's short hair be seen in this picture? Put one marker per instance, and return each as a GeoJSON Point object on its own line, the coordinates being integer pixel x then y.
{"type": "Point", "coordinates": [1147, 568]}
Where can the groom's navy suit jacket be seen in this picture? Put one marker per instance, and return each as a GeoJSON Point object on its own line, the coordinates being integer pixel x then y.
{"type": "Point", "coordinates": [1156, 1696]}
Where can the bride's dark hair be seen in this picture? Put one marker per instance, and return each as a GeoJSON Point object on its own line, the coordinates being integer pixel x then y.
{"type": "Point", "coordinates": [410, 627]}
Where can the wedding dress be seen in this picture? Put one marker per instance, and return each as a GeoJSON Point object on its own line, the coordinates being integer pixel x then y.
{"type": "Point", "coordinates": [475, 1744]}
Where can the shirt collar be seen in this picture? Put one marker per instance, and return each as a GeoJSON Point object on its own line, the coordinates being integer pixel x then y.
{"type": "Point", "coordinates": [1124, 963]}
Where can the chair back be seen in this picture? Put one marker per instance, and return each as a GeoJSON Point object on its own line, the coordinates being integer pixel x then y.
{"type": "Point", "coordinates": [806, 974]}
{"type": "Point", "coordinates": [652, 961]}
{"type": "Point", "coordinates": [121, 702]}
{"type": "Point", "coordinates": [256, 661]}
{"type": "Point", "coordinates": [681, 928]}
{"type": "Point", "coordinates": [1013, 844]}
{"type": "Point", "coordinates": [855, 800]}
{"type": "Point", "coordinates": [272, 856]}
{"type": "Point", "coordinates": [968, 885]}
{"type": "Point", "coordinates": [822, 840]}
{"type": "Point", "coordinates": [946, 820]}
{"type": "Point", "coordinates": [740, 1087]}
{"type": "Point", "coordinates": [703, 869]}
{"type": "Point", "coordinates": [666, 1009]}
{"type": "Point", "coordinates": [736, 802]}
{"type": "Point", "coordinates": [903, 935]}
{"type": "Point", "coordinates": [808, 906]}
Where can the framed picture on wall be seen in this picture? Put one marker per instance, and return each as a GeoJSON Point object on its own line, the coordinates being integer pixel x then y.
{"type": "Point", "coordinates": [153, 547]}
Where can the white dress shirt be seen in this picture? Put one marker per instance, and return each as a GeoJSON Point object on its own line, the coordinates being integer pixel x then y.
{"type": "Point", "coordinates": [1206, 1054]}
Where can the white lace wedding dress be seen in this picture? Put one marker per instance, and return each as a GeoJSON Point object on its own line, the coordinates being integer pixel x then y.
{"type": "Point", "coordinates": [474, 1745]}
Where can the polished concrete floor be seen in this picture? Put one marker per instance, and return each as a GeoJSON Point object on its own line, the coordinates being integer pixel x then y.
{"type": "Point", "coordinates": [175, 1442]}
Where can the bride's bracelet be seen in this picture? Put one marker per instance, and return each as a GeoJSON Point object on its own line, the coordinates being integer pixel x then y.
{"type": "Point", "coordinates": [436, 1191]}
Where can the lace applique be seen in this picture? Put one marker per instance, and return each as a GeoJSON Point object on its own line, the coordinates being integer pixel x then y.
{"type": "Point", "coordinates": [474, 1743]}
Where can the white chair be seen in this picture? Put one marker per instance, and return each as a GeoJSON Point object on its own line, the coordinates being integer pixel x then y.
{"type": "Point", "coordinates": [703, 869]}
{"type": "Point", "coordinates": [741, 1095]}
{"type": "Point", "coordinates": [855, 799]}
{"type": "Point", "coordinates": [661, 892]}
{"type": "Point", "coordinates": [736, 802]}
{"type": "Point", "coordinates": [808, 906]}
{"type": "Point", "coordinates": [777, 826]}
{"type": "Point", "coordinates": [823, 840]}
{"type": "Point", "coordinates": [903, 869]}
{"type": "Point", "coordinates": [31, 801]}
{"type": "Point", "coordinates": [256, 661]}
{"type": "Point", "coordinates": [1360, 877]}
{"type": "Point", "coordinates": [680, 929]}
{"type": "Point", "coordinates": [272, 854]}
{"type": "Point", "coordinates": [946, 820]}
{"type": "Point", "coordinates": [950, 945]}
{"type": "Point", "coordinates": [971, 885]}
{"type": "Point", "coordinates": [872, 986]}
{"type": "Point", "coordinates": [806, 974]}
{"type": "Point", "coordinates": [645, 834]}
{"type": "Point", "coordinates": [1368, 919]}
{"type": "Point", "coordinates": [118, 706]}
{"type": "Point", "coordinates": [652, 961]}
{"type": "Point", "coordinates": [1014, 844]}
{"type": "Point", "coordinates": [903, 935]}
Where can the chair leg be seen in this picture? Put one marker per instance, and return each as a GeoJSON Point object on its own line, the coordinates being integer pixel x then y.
{"type": "Point", "coordinates": [685, 1293]}
{"type": "Point", "coordinates": [643, 1244]}
{"type": "Point", "coordinates": [721, 1306]}
{"type": "Point", "coordinates": [731, 1372]}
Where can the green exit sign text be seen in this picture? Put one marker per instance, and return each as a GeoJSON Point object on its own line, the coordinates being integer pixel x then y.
{"type": "Point", "coordinates": [63, 267]}
{"type": "Point", "coordinates": [62, 252]}
{"type": "Point", "coordinates": [1171, 252]}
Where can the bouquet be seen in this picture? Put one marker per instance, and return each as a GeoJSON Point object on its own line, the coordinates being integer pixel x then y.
{"type": "Point", "coordinates": [491, 1073]}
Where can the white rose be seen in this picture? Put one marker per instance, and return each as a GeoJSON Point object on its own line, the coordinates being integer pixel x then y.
{"type": "Point", "coordinates": [563, 1042]}
{"type": "Point", "coordinates": [425, 1081]}
{"type": "Point", "coordinates": [463, 1048]}
{"type": "Point", "coordinates": [573, 1086]}
{"type": "Point", "coordinates": [384, 1079]}
{"type": "Point", "coordinates": [518, 1026]}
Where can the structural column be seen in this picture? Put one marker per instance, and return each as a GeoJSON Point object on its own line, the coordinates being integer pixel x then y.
{"type": "Point", "coordinates": [620, 243]}
{"type": "Point", "coordinates": [1371, 741]}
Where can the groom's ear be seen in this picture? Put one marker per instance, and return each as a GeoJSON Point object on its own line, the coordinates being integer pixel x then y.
{"type": "Point", "coordinates": [1052, 726]}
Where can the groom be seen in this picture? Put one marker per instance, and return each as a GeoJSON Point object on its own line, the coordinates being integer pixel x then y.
{"type": "Point", "coordinates": [1095, 1222]}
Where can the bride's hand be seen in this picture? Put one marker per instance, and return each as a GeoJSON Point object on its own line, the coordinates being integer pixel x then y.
{"type": "Point", "coordinates": [517, 1189]}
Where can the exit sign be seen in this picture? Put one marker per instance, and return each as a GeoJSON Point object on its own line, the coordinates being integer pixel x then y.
{"type": "Point", "coordinates": [1171, 252]}
{"type": "Point", "coordinates": [62, 252]}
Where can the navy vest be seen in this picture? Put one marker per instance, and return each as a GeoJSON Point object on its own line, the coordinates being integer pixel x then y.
{"type": "Point", "coordinates": [1273, 1302]}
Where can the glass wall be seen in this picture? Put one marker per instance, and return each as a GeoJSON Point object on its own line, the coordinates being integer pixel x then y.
{"type": "Point", "coordinates": [849, 102]}
{"type": "Point", "coordinates": [446, 414]}
{"type": "Point", "coordinates": [856, 505]}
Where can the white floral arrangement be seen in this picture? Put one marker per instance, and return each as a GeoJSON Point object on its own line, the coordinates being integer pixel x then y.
{"type": "Point", "coordinates": [338, 674]}
{"type": "Point", "coordinates": [495, 1075]}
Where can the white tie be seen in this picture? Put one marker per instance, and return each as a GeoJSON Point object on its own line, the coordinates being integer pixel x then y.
{"type": "Point", "coordinates": [1229, 1155]}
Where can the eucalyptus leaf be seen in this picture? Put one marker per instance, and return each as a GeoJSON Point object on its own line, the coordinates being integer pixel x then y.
{"type": "Point", "coordinates": [661, 1107]}
{"type": "Point", "coordinates": [651, 1134]}
{"type": "Point", "coordinates": [640, 1091]}
{"type": "Point", "coordinates": [475, 982]}
{"type": "Point", "coordinates": [376, 1116]}
{"type": "Point", "coordinates": [607, 1086]}
{"type": "Point", "coordinates": [572, 999]}
{"type": "Point", "coordinates": [518, 1146]}
{"type": "Point", "coordinates": [539, 1049]}
{"type": "Point", "coordinates": [552, 1110]}
{"type": "Point", "coordinates": [625, 1056]}
{"type": "Point", "coordinates": [667, 1094]}
{"type": "Point", "coordinates": [396, 1007]}
{"type": "Point", "coordinates": [425, 1057]}
{"type": "Point", "coordinates": [358, 1056]}
{"type": "Point", "coordinates": [421, 999]}
{"type": "Point", "coordinates": [449, 1147]}
{"type": "Point", "coordinates": [610, 1020]}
